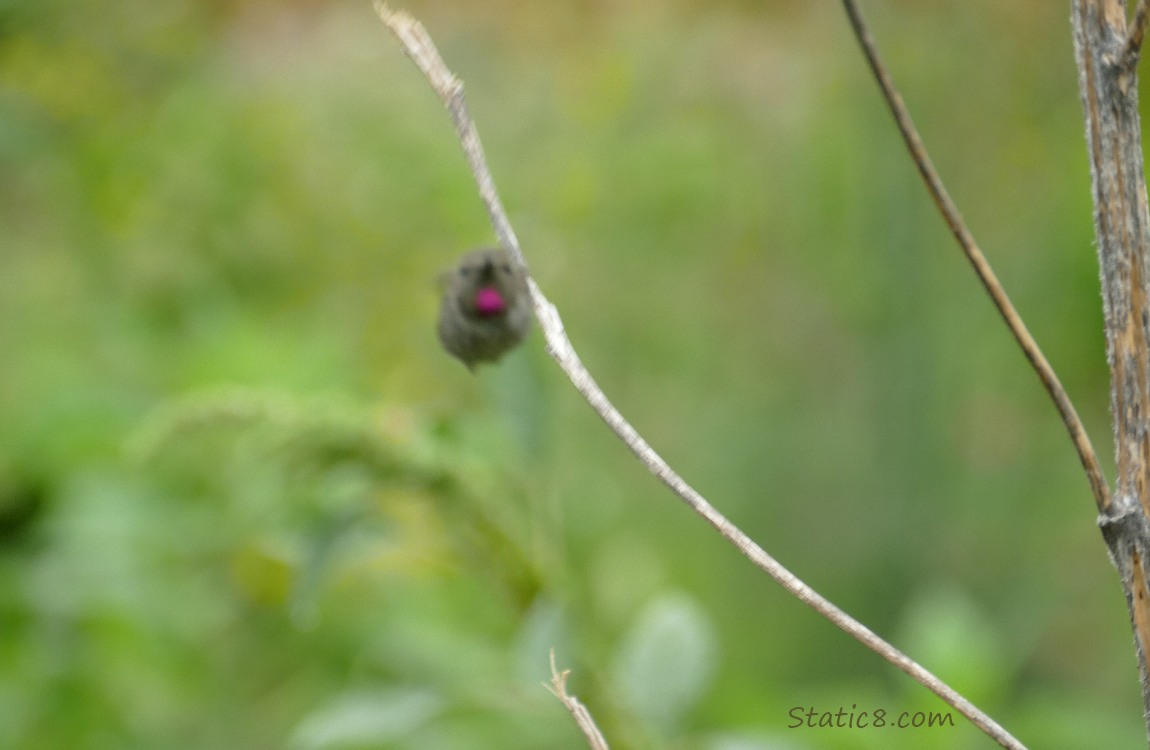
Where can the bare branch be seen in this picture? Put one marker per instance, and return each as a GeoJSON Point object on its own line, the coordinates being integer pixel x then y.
{"type": "Point", "coordinates": [418, 45]}
{"type": "Point", "coordinates": [558, 688]}
{"type": "Point", "coordinates": [1136, 33]}
{"type": "Point", "coordinates": [982, 268]}
{"type": "Point", "coordinates": [1109, 88]}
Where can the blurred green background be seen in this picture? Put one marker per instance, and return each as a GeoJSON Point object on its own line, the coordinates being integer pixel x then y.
{"type": "Point", "coordinates": [246, 502]}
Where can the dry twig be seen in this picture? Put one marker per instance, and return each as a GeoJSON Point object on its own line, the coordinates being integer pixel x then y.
{"type": "Point", "coordinates": [558, 688]}
{"type": "Point", "coordinates": [420, 48]}
{"type": "Point", "coordinates": [982, 268]}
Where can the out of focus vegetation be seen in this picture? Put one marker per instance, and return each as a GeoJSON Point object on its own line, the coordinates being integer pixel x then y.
{"type": "Point", "coordinates": [245, 501]}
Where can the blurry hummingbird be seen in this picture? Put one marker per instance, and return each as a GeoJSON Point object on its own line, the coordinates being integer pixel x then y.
{"type": "Point", "coordinates": [486, 309]}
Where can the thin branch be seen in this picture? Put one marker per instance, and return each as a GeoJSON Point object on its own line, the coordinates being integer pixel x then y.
{"type": "Point", "coordinates": [1136, 33]}
{"type": "Point", "coordinates": [558, 688]}
{"type": "Point", "coordinates": [418, 45]}
{"type": "Point", "coordinates": [990, 282]}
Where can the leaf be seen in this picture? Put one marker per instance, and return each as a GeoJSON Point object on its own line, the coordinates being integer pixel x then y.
{"type": "Point", "coordinates": [366, 718]}
{"type": "Point", "coordinates": [667, 660]}
{"type": "Point", "coordinates": [945, 628]}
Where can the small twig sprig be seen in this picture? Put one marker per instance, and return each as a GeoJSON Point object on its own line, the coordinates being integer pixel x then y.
{"type": "Point", "coordinates": [582, 716]}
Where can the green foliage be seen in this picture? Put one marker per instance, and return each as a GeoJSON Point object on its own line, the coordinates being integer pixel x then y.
{"type": "Point", "coordinates": [246, 501]}
{"type": "Point", "coordinates": [666, 662]}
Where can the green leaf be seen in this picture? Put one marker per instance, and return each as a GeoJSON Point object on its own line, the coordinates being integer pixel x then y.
{"type": "Point", "coordinates": [364, 718]}
{"type": "Point", "coordinates": [667, 660]}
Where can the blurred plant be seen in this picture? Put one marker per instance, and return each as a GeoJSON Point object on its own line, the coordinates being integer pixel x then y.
{"type": "Point", "coordinates": [324, 473]}
{"type": "Point", "coordinates": [238, 192]}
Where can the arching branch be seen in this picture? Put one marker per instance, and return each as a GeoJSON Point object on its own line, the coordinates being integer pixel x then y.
{"type": "Point", "coordinates": [420, 48]}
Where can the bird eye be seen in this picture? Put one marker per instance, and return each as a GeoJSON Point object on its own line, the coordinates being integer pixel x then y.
{"type": "Point", "coordinates": [506, 268]}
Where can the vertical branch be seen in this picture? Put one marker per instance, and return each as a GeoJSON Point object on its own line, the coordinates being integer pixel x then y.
{"type": "Point", "coordinates": [1106, 53]}
{"type": "Point", "coordinates": [1109, 90]}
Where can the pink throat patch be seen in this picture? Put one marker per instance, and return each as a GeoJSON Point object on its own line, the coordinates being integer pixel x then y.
{"type": "Point", "coordinates": [488, 301]}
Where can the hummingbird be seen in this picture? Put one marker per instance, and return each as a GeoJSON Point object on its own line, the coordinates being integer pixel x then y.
{"type": "Point", "coordinates": [486, 308]}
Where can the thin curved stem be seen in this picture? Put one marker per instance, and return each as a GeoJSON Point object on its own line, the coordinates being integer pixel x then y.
{"type": "Point", "coordinates": [982, 269]}
{"type": "Point", "coordinates": [420, 48]}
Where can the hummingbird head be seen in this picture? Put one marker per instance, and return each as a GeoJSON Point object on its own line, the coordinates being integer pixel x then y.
{"type": "Point", "coordinates": [486, 308]}
{"type": "Point", "coordinates": [488, 282]}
